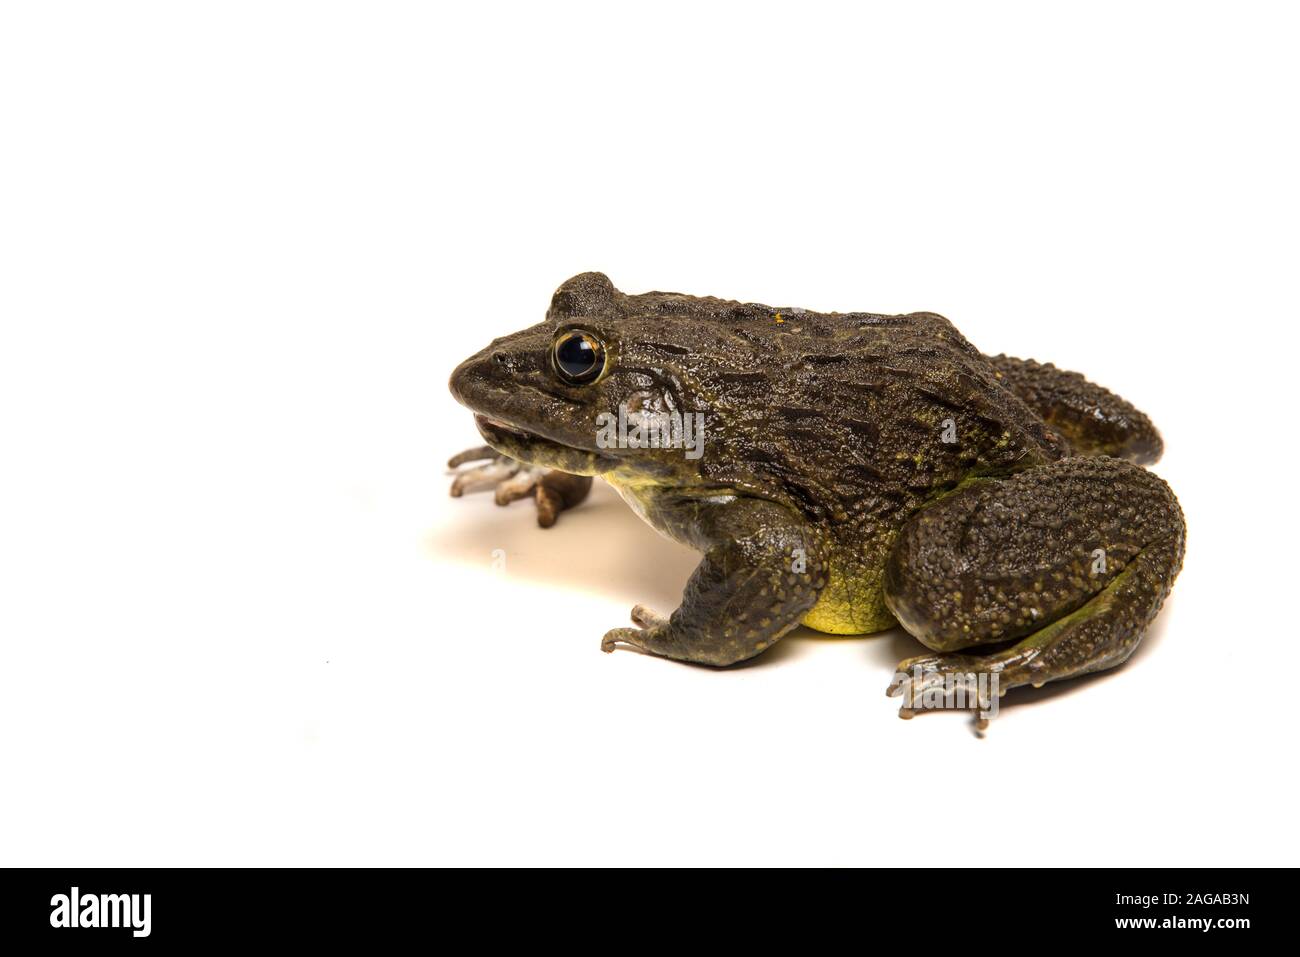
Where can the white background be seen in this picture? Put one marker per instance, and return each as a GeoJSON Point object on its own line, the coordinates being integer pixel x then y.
{"type": "Point", "coordinates": [242, 246]}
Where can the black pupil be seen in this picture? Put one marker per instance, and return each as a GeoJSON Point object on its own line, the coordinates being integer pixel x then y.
{"type": "Point", "coordinates": [576, 356]}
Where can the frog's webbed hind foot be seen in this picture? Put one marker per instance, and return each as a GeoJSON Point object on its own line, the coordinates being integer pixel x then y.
{"type": "Point", "coordinates": [511, 480]}
{"type": "Point", "coordinates": [947, 681]}
{"type": "Point", "coordinates": [1056, 571]}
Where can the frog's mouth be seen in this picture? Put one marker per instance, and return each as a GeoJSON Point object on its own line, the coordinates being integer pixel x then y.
{"type": "Point", "coordinates": [533, 449]}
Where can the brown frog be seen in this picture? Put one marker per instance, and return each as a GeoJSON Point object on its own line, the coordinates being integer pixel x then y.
{"type": "Point", "coordinates": [846, 471]}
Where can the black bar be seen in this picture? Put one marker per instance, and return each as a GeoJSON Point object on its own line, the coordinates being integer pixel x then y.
{"type": "Point", "coordinates": [921, 909]}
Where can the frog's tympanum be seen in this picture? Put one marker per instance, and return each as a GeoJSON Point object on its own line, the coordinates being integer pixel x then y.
{"type": "Point", "coordinates": [848, 472]}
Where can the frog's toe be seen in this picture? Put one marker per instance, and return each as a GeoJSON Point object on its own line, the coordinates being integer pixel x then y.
{"type": "Point", "coordinates": [476, 454]}
{"type": "Point", "coordinates": [644, 617]}
{"type": "Point", "coordinates": [932, 669]}
{"type": "Point", "coordinates": [483, 477]}
{"type": "Point", "coordinates": [627, 637]}
{"type": "Point", "coordinates": [520, 485]}
{"type": "Point", "coordinates": [557, 491]}
{"type": "Point", "coordinates": [649, 623]}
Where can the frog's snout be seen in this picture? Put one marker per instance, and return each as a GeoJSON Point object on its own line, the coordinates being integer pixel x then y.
{"type": "Point", "coordinates": [462, 382]}
{"type": "Point", "coordinates": [476, 382]}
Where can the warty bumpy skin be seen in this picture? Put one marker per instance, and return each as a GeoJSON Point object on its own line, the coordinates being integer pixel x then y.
{"type": "Point", "coordinates": [858, 470]}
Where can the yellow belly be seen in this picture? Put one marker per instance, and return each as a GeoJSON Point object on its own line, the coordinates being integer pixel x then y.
{"type": "Point", "coordinates": [852, 603]}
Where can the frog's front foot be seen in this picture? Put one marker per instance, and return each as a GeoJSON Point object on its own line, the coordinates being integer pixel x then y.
{"type": "Point", "coordinates": [552, 491]}
{"type": "Point", "coordinates": [645, 620]}
{"type": "Point", "coordinates": [761, 573]}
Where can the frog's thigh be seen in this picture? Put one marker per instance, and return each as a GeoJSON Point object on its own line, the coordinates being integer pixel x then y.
{"type": "Point", "coordinates": [1071, 561]}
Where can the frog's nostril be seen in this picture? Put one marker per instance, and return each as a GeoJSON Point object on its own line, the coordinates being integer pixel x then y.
{"type": "Point", "coordinates": [499, 358]}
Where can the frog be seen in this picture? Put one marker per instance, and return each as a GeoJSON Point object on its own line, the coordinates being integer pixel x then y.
{"type": "Point", "coordinates": [856, 472]}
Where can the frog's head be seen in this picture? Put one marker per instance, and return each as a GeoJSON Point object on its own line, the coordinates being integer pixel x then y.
{"type": "Point", "coordinates": [551, 394]}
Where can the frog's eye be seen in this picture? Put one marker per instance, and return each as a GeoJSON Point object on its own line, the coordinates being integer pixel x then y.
{"type": "Point", "coordinates": [578, 357]}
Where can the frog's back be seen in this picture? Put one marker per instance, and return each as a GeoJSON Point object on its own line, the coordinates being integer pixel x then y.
{"type": "Point", "coordinates": [851, 415]}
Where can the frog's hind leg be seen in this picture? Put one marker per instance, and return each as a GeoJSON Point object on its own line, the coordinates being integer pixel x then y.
{"type": "Point", "coordinates": [1062, 567]}
{"type": "Point", "coordinates": [1095, 421]}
